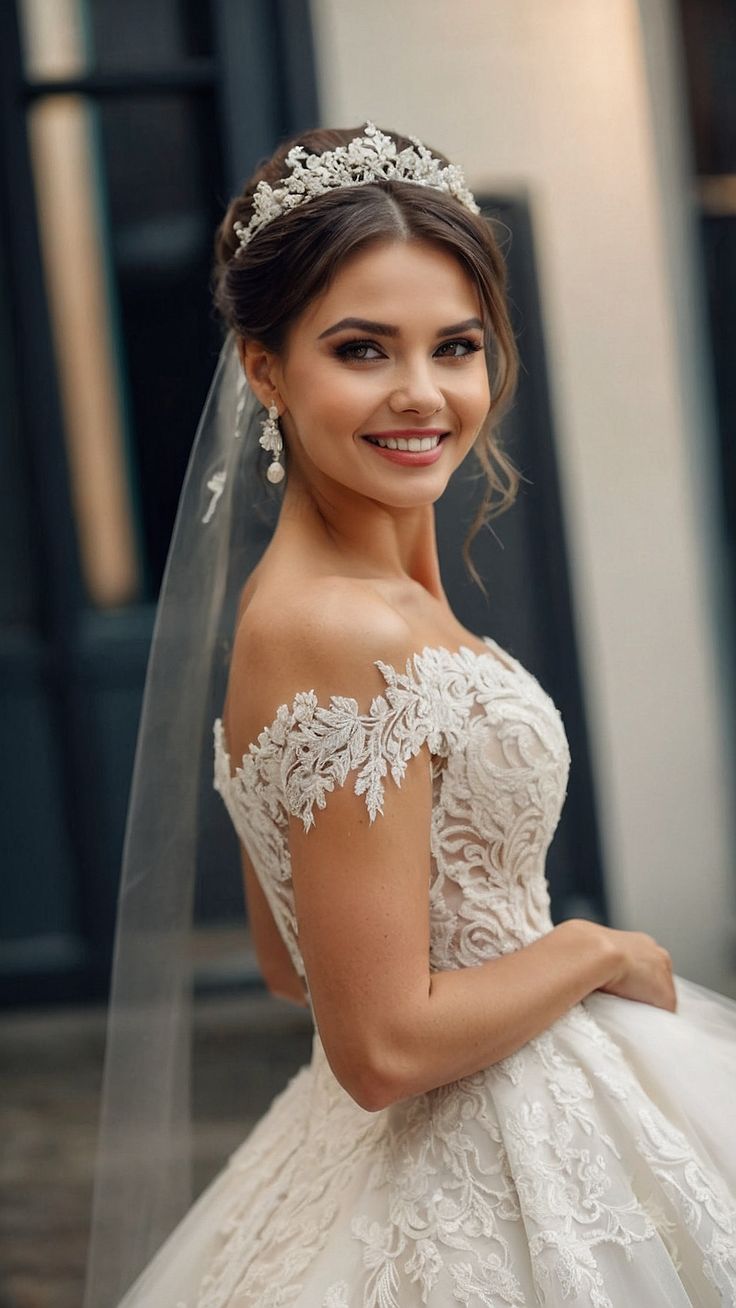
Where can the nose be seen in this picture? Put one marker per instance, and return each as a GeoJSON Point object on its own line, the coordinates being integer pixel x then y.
{"type": "Point", "coordinates": [417, 392]}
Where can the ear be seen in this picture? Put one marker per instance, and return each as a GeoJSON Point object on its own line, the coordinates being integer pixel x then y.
{"type": "Point", "coordinates": [260, 369]}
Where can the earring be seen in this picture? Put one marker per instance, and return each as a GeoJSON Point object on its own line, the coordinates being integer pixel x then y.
{"type": "Point", "coordinates": [271, 439]}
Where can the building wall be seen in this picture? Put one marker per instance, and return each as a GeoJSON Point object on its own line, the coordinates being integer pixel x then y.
{"type": "Point", "coordinates": [565, 104]}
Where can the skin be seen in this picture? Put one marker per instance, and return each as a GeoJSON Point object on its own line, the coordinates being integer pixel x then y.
{"type": "Point", "coordinates": [352, 574]}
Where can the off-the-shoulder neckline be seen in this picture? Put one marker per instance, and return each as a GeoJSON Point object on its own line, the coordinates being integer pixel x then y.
{"type": "Point", "coordinates": [504, 661]}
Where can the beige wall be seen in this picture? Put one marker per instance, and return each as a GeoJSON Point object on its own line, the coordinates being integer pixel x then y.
{"type": "Point", "coordinates": [565, 103]}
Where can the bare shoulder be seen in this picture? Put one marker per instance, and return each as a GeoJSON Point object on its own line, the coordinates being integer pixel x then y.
{"type": "Point", "coordinates": [324, 636]}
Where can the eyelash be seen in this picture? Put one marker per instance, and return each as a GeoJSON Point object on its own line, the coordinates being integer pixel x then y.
{"type": "Point", "coordinates": [344, 351]}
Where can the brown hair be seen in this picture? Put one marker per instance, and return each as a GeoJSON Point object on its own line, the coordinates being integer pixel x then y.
{"type": "Point", "coordinates": [261, 290]}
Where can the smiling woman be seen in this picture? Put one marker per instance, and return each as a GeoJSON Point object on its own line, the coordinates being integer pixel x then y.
{"type": "Point", "coordinates": [395, 781]}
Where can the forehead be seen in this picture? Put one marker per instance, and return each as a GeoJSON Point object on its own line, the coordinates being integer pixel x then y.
{"type": "Point", "coordinates": [406, 280]}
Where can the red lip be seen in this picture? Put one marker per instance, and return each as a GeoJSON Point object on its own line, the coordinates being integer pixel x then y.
{"type": "Point", "coordinates": [408, 431]}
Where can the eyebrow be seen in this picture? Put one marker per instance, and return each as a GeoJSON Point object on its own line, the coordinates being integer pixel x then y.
{"type": "Point", "coordinates": [386, 329]}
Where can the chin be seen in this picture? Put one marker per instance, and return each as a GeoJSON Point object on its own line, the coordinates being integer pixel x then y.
{"type": "Point", "coordinates": [430, 493]}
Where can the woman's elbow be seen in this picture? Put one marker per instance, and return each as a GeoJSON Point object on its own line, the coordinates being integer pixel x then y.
{"type": "Point", "coordinates": [373, 1096]}
{"type": "Point", "coordinates": [374, 1082]}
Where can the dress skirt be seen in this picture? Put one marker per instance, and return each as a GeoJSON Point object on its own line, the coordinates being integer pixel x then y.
{"type": "Point", "coordinates": [596, 1166]}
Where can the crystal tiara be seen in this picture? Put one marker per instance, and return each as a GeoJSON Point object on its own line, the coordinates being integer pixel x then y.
{"type": "Point", "coordinates": [370, 158]}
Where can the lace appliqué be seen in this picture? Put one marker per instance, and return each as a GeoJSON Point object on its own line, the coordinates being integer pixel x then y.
{"type": "Point", "coordinates": [328, 743]}
{"type": "Point", "coordinates": [325, 744]}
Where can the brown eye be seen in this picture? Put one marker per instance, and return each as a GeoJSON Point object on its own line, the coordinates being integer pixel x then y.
{"type": "Point", "coordinates": [468, 347]}
{"type": "Point", "coordinates": [356, 350]}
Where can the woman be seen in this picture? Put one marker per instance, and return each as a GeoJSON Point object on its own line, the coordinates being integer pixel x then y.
{"type": "Point", "coordinates": [498, 1110]}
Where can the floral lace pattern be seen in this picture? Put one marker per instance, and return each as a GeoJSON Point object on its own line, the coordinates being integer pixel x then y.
{"type": "Point", "coordinates": [551, 1177]}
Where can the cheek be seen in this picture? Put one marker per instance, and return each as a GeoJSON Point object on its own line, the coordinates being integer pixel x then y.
{"type": "Point", "coordinates": [334, 402]}
{"type": "Point", "coordinates": [473, 402]}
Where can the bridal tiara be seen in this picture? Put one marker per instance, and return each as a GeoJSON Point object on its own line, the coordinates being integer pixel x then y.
{"type": "Point", "coordinates": [370, 158]}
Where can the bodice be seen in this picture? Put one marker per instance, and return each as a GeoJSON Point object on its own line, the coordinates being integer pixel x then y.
{"type": "Point", "coordinates": [499, 761]}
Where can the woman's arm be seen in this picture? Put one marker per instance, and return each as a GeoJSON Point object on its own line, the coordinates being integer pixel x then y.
{"type": "Point", "coordinates": [390, 1027]}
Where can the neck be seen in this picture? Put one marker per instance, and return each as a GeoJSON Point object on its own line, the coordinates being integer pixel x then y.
{"type": "Point", "coordinates": [349, 533]}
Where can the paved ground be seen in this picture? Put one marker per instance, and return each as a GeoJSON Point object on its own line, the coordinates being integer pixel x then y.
{"type": "Point", "coordinates": [50, 1065]}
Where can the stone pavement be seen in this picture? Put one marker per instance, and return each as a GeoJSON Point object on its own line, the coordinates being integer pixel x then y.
{"type": "Point", "coordinates": [248, 1047]}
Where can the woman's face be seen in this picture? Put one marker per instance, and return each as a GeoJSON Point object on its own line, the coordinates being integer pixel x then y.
{"type": "Point", "coordinates": [392, 351]}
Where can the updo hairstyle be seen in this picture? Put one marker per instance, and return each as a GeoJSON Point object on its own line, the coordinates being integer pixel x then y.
{"type": "Point", "coordinates": [261, 290]}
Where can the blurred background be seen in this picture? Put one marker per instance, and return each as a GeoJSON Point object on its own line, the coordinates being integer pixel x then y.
{"type": "Point", "coordinates": [601, 137]}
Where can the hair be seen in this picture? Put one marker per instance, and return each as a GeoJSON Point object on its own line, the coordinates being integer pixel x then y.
{"type": "Point", "coordinates": [261, 290]}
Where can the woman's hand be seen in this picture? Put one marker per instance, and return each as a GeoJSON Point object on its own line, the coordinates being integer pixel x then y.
{"type": "Point", "coordinates": [644, 972]}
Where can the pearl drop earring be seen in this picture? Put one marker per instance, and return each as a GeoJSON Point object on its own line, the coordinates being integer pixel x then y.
{"type": "Point", "coordinates": [271, 439]}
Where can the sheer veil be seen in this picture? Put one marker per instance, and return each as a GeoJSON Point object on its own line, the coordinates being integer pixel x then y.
{"type": "Point", "coordinates": [226, 514]}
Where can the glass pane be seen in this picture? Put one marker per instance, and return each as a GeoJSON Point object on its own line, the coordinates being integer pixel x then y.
{"type": "Point", "coordinates": [53, 38]}
{"type": "Point", "coordinates": [141, 34]}
{"type": "Point", "coordinates": [73, 245]}
{"type": "Point", "coordinates": [162, 162]}
{"type": "Point", "coordinates": [65, 38]}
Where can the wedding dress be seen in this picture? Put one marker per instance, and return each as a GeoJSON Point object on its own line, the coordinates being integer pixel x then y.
{"type": "Point", "coordinates": [595, 1166]}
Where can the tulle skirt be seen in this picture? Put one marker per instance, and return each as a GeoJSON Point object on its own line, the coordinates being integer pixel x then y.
{"type": "Point", "coordinates": [596, 1166]}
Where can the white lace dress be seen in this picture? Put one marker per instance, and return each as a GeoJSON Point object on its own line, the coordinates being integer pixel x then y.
{"type": "Point", "coordinates": [596, 1166]}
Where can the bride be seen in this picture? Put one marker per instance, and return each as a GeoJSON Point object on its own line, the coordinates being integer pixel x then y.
{"type": "Point", "coordinates": [498, 1110]}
